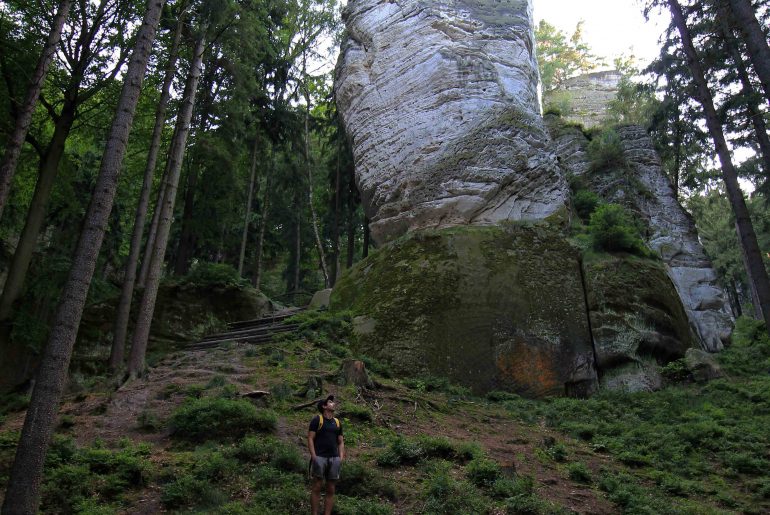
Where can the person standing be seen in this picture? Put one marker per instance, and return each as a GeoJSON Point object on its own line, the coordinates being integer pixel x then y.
{"type": "Point", "coordinates": [327, 452]}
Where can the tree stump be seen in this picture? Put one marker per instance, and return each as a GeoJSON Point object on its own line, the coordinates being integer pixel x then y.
{"type": "Point", "coordinates": [353, 372]}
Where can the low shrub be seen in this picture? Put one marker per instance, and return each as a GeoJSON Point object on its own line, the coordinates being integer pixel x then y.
{"type": "Point", "coordinates": [482, 472]}
{"type": "Point", "coordinates": [444, 494]}
{"type": "Point", "coordinates": [344, 505]}
{"type": "Point", "coordinates": [75, 475]}
{"type": "Point", "coordinates": [410, 451]}
{"type": "Point", "coordinates": [211, 418]}
{"type": "Point", "coordinates": [215, 274]}
{"type": "Point", "coordinates": [585, 203]}
{"type": "Point", "coordinates": [357, 412]}
{"type": "Point", "coordinates": [360, 480]}
{"type": "Point", "coordinates": [189, 491]}
{"type": "Point", "coordinates": [466, 451]}
{"type": "Point", "coordinates": [605, 151]}
{"type": "Point", "coordinates": [612, 229]}
{"type": "Point", "coordinates": [579, 472]}
{"type": "Point", "coordinates": [282, 456]}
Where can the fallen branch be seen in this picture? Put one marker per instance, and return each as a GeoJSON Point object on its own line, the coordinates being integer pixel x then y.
{"type": "Point", "coordinates": [307, 404]}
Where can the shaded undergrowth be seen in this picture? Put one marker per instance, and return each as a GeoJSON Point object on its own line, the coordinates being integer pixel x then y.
{"type": "Point", "coordinates": [690, 448]}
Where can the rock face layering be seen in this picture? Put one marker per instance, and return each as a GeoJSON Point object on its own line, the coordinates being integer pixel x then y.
{"type": "Point", "coordinates": [440, 102]}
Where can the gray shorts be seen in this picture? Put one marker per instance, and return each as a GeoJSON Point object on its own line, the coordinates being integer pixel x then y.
{"type": "Point", "coordinates": [326, 468]}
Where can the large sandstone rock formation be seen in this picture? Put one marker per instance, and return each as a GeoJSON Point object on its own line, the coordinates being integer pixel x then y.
{"type": "Point", "coordinates": [475, 277]}
{"type": "Point", "coordinates": [440, 101]}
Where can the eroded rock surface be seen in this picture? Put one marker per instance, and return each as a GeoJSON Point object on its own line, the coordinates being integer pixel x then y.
{"type": "Point", "coordinates": [644, 188]}
{"type": "Point", "coordinates": [440, 102]}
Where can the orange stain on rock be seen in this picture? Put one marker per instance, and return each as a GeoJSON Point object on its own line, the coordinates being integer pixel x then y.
{"type": "Point", "coordinates": [531, 368]}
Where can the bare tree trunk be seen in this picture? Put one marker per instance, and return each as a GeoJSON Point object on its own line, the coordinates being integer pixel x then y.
{"type": "Point", "coordinates": [262, 227]}
{"type": "Point", "coordinates": [249, 200]}
{"type": "Point", "coordinates": [23, 493]}
{"type": "Point", "coordinates": [49, 166]}
{"type": "Point", "coordinates": [150, 243]}
{"type": "Point", "coordinates": [748, 239]}
{"type": "Point", "coordinates": [351, 220]}
{"type": "Point", "coordinates": [755, 39]}
{"type": "Point", "coordinates": [176, 155]}
{"type": "Point", "coordinates": [297, 243]}
{"type": "Point", "coordinates": [752, 106]}
{"type": "Point", "coordinates": [24, 117]}
{"type": "Point", "coordinates": [308, 166]}
{"type": "Point", "coordinates": [126, 294]}
{"type": "Point", "coordinates": [188, 238]}
{"type": "Point", "coordinates": [365, 250]}
{"type": "Point", "coordinates": [335, 273]}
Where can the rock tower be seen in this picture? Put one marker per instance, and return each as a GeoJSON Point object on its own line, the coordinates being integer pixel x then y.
{"type": "Point", "coordinates": [476, 277]}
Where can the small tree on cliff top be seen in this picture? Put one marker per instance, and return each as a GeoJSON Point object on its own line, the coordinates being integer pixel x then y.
{"type": "Point", "coordinates": [560, 56]}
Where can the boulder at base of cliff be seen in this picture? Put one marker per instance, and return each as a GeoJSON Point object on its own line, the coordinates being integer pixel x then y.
{"type": "Point", "coordinates": [490, 308]}
{"type": "Point", "coordinates": [702, 365]}
{"type": "Point", "coordinates": [637, 319]}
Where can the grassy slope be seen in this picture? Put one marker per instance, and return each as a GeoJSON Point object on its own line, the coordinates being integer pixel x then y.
{"type": "Point", "coordinates": [182, 440]}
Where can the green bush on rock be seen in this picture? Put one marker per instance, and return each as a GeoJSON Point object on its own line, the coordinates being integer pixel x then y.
{"type": "Point", "coordinates": [613, 230]}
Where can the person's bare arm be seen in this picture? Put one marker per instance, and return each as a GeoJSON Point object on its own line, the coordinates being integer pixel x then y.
{"type": "Point", "coordinates": [341, 446]}
{"type": "Point", "coordinates": [311, 443]}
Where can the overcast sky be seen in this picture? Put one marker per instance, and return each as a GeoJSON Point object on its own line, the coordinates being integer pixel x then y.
{"type": "Point", "coordinates": [611, 28]}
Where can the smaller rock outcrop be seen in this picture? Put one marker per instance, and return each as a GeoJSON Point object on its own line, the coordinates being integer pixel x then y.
{"type": "Point", "coordinates": [641, 186]}
{"type": "Point", "coordinates": [637, 321]}
{"type": "Point", "coordinates": [585, 99]}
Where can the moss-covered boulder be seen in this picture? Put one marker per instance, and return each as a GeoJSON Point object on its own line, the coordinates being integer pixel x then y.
{"type": "Point", "coordinates": [637, 320]}
{"type": "Point", "coordinates": [489, 307]}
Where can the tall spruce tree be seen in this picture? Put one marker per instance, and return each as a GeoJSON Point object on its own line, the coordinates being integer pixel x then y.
{"type": "Point", "coordinates": [23, 493]}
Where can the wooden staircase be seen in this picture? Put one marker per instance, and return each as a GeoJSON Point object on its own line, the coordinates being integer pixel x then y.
{"type": "Point", "coordinates": [260, 330]}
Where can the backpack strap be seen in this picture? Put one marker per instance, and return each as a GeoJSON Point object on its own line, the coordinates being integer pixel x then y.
{"type": "Point", "coordinates": [320, 422]}
{"type": "Point", "coordinates": [337, 422]}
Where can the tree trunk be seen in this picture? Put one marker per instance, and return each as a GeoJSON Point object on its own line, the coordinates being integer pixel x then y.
{"type": "Point", "coordinates": [262, 227]}
{"type": "Point", "coordinates": [335, 273]}
{"type": "Point", "coordinates": [297, 244]}
{"type": "Point", "coordinates": [23, 493]}
{"type": "Point", "coordinates": [249, 200]}
{"type": "Point", "coordinates": [150, 243]}
{"type": "Point", "coordinates": [188, 238]}
{"type": "Point", "coordinates": [752, 106]}
{"type": "Point", "coordinates": [308, 166]}
{"type": "Point", "coordinates": [49, 166]}
{"type": "Point", "coordinates": [735, 300]}
{"type": "Point", "coordinates": [176, 155]}
{"type": "Point", "coordinates": [129, 278]}
{"type": "Point", "coordinates": [24, 116]}
{"type": "Point", "coordinates": [748, 239]}
{"type": "Point", "coordinates": [365, 250]}
{"type": "Point", "coordinates": [754, 37]}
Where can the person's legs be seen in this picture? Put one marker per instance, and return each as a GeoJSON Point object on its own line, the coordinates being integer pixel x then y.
{"type": "Point", "coordinates": [315, 495]}
{"type": "Point", "coordinates": [329, 501]}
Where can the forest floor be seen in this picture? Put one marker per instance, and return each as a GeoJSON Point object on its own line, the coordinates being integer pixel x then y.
{"type": "Point", "coordinates": [184, 439]}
